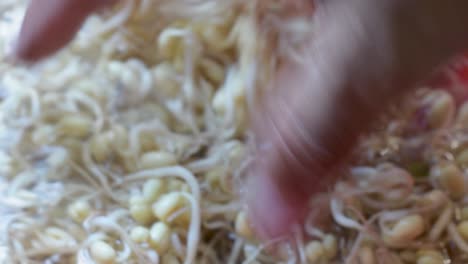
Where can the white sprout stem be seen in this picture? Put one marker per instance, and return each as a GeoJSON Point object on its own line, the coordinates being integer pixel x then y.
{"type": "Point", "coordinates": [235, 252]}
{"type": "Point", "coordinates": [214, 159]}
{"type": "Point", "coordinates": [51, 250]}
{"type": "Point", "coordinates": [176, 214]}
{"type": "Point", "coordinates": [254, 255]}
{"type": "Point", "coordinates": [83, 173]}
{"type": "Point", "coordinates": [207, 254]}
{"type": "Point", "coordinates": [144, 6]}
{"type": "Point", "coordinates": [216, 225]}
{"type": "Point", "coordinates": [394, 215]}
{"type": "Point", "coordinates": [153, 256]}
{"type": "Point", "coordinates": [100, 176]}
{"type": "Point", "coordinates": [221, 209]}
{"type": "Point", "coordinates": [340, 218]}
{"type": "Point", "coordinates": [457, 239]}
{"type": "Point", "coordinates": [117, 20]}
{"type": "Point", "coordinates": [124, 254]}
{"type": "Point", "coordinates": [118, 214]}
{"type": "Point", "coordinates": [383, 205]}
{"type": "Point", "coordinates": [35, 104]}
{"type": "Point", "coordinates": [230, 115]}
{"type": "Point", "coordinates": [441, 224]}
{"type": "Point", "coordinates": [193, 236]}
{"type": "Point", "coordinates": [292, 258]}
{"type": "Point", "coordinates": [134, 137]}
{"type": "Point", "coordinates": [299, 240]}
{"type": "Point", "coordinates": [188, 85]}
{"type": "Point", "coordinates": [21, 180]}
{"type": "Point", "coordinates": [64, 76]}
{"type": "Point", "coordinates": [92, 238]}
{"type": "Point", "coordinates": [350, 259]}
{"type": "Point", "coordinates": [363, 172]}
{"type": "Point", "coordinates": [204, 164]}
{"type": "Point", "coordinates": [83, 257]}
{"type": "Point", "coordinates": [145, 76]}
{"type": "Point", "coordinates": [260, 248]}
{"type": "Point", "coordinates": [177, 245]}
{"type": "Point", "coordinates": [5, 223]}
{"type": "Point", "coordinates": [313, 231]}
{"type": "Point", "coordinates": [19, 251]}
{"type": "Point", "coordinates": [92, 105]}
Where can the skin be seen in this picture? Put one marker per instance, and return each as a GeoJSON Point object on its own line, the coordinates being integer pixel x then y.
{"type": "Point", "coordinates": [369, 54]}
{"type": "Point", "coordinates": [50, 24]}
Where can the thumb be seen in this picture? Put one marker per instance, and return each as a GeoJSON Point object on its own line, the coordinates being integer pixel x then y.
{"type": "Point", "coordinates": [50, 24]}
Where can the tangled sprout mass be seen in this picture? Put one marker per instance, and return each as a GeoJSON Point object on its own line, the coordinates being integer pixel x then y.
{"type": "Point", "coordinates": [129, 146]}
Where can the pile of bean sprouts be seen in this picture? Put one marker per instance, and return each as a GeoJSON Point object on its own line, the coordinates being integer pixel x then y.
{"type": "Point", "coordinates": [129, 146]}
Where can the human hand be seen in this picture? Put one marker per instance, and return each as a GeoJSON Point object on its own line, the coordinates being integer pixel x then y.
{"type": "Point", "coordinates": [365, 55]}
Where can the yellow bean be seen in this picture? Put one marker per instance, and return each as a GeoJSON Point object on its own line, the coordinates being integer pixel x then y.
{"type": "Point", "coordinates": [215, 36]}
{"type": "Point", "coordinates": [122, 72]}
{"type": "Point", "coordinates": [140, 210]}
{"type": "Point", "coordinates": [405, 230]}
{"type": "Point", "coordinates": [430, 257]}
{"type": "Point", "coordinates": [213, 176]}
{"type": "Point", "coordinates": [314, 252]}
{"type": "Point", "coordinates": [152, 189]}
{"type": "Point", "coordinates": [463, 229]}
{"type": "Point", "coordinates": [74, 147]}
{"type": "Point", "coordinates": [462, 158]}
{"type": "Point", "coordinates": [160, 237]}
{"type": "Point", "coordinates": [220, 101]}
{"type": "Point", "coordinates": [330, 245]}
{"type": "Point", "coordinates": [408, 256]}
{"type": "Point", "coordinates": [157, 159]}
{"type": "Point", "coordinates": [242, 225]}
{"type": "Point", "coordinates": [169, 46]}
{"type": "Point", "coordinates": [43, 135]}
{"type": "Point", "coordinates": [366, 255]}
{"type": "Point", "coordinates": [78, 126]}
{"type": "Point", "coordinates": [170, 259]}
{"type": "Point", "coordinates": [148, 141]}
{"type": "Point", "coordinates": [119, 138]}
{"type": "Point", "coordinates": [79, 211]}
{"type": "Point", "coordinates": [168, 204]}
{"type": "Point", "coordinates": [56, 237]}
{"type": "Point", "coordinates": [139, 234]}
{"type": "Point", "coordinates": [213, 71]}
{"type": "Point", "coordinates": [435, 198]}
{"type": "Point", "coordinates": [90, 88]}
{"type": "Point", "coordinates": [451, 178]}
{"type": "Point", "coordinates": [429, 260]}
{"type": "Point", "coordinates": [464, 213]}
{"type": "Point", "coordinates": [103, 253]}
{"type": "Point", "coordinates": [100, 146]}
{"type": "Point", "coordinates": [462, 116]}
{"type": "Point", "coordinates": [58, 158]}
{"type": "Point", "coordinates": [442, 109]}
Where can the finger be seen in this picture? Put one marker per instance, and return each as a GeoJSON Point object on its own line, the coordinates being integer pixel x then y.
{"type": "Point", "coordinates": [364, 59]}
{"type": "Point", "coordinates": [50, 24]}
